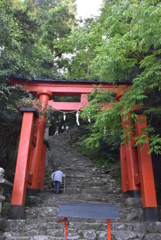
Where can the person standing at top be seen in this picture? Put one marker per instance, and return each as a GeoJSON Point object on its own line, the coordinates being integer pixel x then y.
{"type": "Point", "coordinates": [67, 127]}
{"type": "Point", "coordinates": [62, 128]}
{"type": "Point", "coordinates": [57, 129]}
{"type": "Point", "coordinates": [57, 178]}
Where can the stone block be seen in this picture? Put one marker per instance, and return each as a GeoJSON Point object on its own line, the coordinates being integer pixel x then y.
{"type": "Point", "coordinates": [88, 234]}
{"type": "Point", "coordinates": [123, 235]}
{"type": "Point", "coordinates": [153, 227]}
{"type": "Point", "coordinates": [153, 236]}
{"type": "Point", "coordinates": [16, 226]}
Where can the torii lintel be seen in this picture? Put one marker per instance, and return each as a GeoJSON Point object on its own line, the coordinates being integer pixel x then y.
{"type": "Point", "coordinates": [80, 88]}
{"type": "Point", "coordinates": [64, 87]}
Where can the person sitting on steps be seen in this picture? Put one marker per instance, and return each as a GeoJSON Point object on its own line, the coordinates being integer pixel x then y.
{"type": "Point", "coordinates": [57, 178]}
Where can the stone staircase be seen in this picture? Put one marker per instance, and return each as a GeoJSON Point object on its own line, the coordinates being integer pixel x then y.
{"type": "Point", "coordinates": [83, 183]}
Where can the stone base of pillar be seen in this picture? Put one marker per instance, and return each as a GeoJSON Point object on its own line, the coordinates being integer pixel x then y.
{"type": "Point", "coordinates": [16, 212]}
{"type": "Point", "coordinates": [150, 214]}
{"type": "Point", "coordinates": [31, 192]}
{"type": "Point", "coordinates": [125, 194]}
{"type": "Point", "coordinates": [135, 193]}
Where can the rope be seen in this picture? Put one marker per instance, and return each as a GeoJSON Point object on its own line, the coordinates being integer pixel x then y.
{"type": "Point", "coordinates": [66, 112]}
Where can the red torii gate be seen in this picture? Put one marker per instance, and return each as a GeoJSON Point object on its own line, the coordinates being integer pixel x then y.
{"type": "Point", "coordinates": [136, 163]}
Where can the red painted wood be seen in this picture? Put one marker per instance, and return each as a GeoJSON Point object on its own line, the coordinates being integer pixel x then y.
{"type": "Point", "coordinates": [131, 154]}
{"type": "Point", "coordinates": [39, 131]}
{"type": "Point", "coordinates": [19, 186]}
{"type": "Point", "coordinates": [124, 171]}
{"type": "Point", "coordinates": [30, 158]}
{"type": "Point", "coordinates": [64, 88]}
{"type": "Point", "coordinates": [65, 229]}
{"type": "Point", "coordinates": [67, 106]}
{"type": "Point", "coordinates": [109, 229]}
{"type": "Point", "coordinates": [137, 179]}
{"type": "Point", "coordinates": [105, 106]}
{"type": "Point", "coordinates": [84, 98]}
{"type": "Point", "coordinates": [44, 96]}
{"type": "Point", "coordinates": [73, 106]}
{"type": "Point", "coordinates": [33, 144]}
{"type": "Point", "coordinates": [66, 223]}
{"type": "Point", "coordinates": [121, 91]}
{"type": "Point", "coordinates": [29, 177]}
{"type": "Point", "coordinates": [42, 168]}
{"type": "Point", "coordinates": [145, 166]}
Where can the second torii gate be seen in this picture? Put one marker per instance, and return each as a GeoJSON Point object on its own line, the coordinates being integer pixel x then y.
{"type": "Point", "coordinates": [136, 164]}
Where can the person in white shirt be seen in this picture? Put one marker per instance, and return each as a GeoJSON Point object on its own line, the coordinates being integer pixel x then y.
{"type": "Point", "coordinates": [57, 178]}
{"type": "Point", "coordinates": [66, 129]}
{"type": "Point", "coordinates": [62, 129]}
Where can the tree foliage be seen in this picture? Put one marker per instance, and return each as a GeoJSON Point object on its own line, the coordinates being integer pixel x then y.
{"type": "Point", "coordinates": [123, 44]}
{"type": "Point", "coordinates": [27, 32]}
{"type": "Point", "coordinates": [22, 52]}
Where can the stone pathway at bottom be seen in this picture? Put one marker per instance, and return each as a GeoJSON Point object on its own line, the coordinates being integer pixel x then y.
{"type": "Point", "coordinates": [83, 184]}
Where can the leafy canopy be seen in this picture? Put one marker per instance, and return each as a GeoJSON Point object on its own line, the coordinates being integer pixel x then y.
{"type": "Point", "coordinates": [25, 50]}
{"type": "Point", "coordinates": [122, 44]}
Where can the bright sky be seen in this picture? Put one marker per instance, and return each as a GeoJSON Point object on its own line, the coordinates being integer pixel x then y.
{"type": "Point", "coordinates": [85, 8]}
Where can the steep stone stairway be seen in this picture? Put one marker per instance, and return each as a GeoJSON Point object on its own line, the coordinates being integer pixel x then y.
{"type": "Point", "coordinates": [83, 183]}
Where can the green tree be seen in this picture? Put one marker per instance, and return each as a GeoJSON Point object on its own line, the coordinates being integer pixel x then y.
{"type": "Point", "coordinates": [22, 53]}
{"type": "Point", "coordinates": [125, 45]}
{"type": "Point", "coordinates": [78, 50]}
{"type": "Point", "coordinates": [26, 50]}
{"type": "Point", "coordinates": [58, 18]}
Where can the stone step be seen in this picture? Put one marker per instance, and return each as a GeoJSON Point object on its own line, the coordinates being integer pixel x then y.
{"type": "Point", "coordinates": [93, 179]}
{"type": "Point", "coordinates": [20, 226]}
{"type": "Point", "coordinates": [101, 191]}
{"type": "Point", "coordinates": [89, 191]}
{"type": "Point", "coordinates": [83, 183]}
{"type": "Point", "coordinates": [91, 185]}
{"type": "Point", "coordinates": [36, 237]}
{"type": "Point", "coordinates": [86, 188]}
{"type": "Point", "coordinates": [81, 168]}
{"type": "Point", "coordinates": [100, 180]}
{"type": "Point", "coordinates": [153, 236]}
{"type": "Point", "coordinates": [87, 175]}
{"type": "Point", "coordinates": [50, 199]}
{"type": "Point", "coordinates": [84, 235]}
{"type": "Point", "coordinates": [110, 198]}
{"type": "Point", "coordinates": [126, 213]}
{"type": "Point", "coordinates": [83, 224]}
{"type": "Point", "coordinates": [72, 162]}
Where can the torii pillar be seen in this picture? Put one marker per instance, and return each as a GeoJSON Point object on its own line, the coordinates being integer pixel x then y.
{"type": "Point", "coordinates": [21, 172]}
{"type": "Point", "coordinates": [38, 150]}
{"type": "Point", "coordinates": [145, 176]}
{"type": "Point", "coordinates": [131, 160]}
{"type": "Point", "coordinates": [42, 167]}
{"type": "Point", "coordinates": [29, 159]}
{"type": "Point", "coordinates": [128, 157]}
